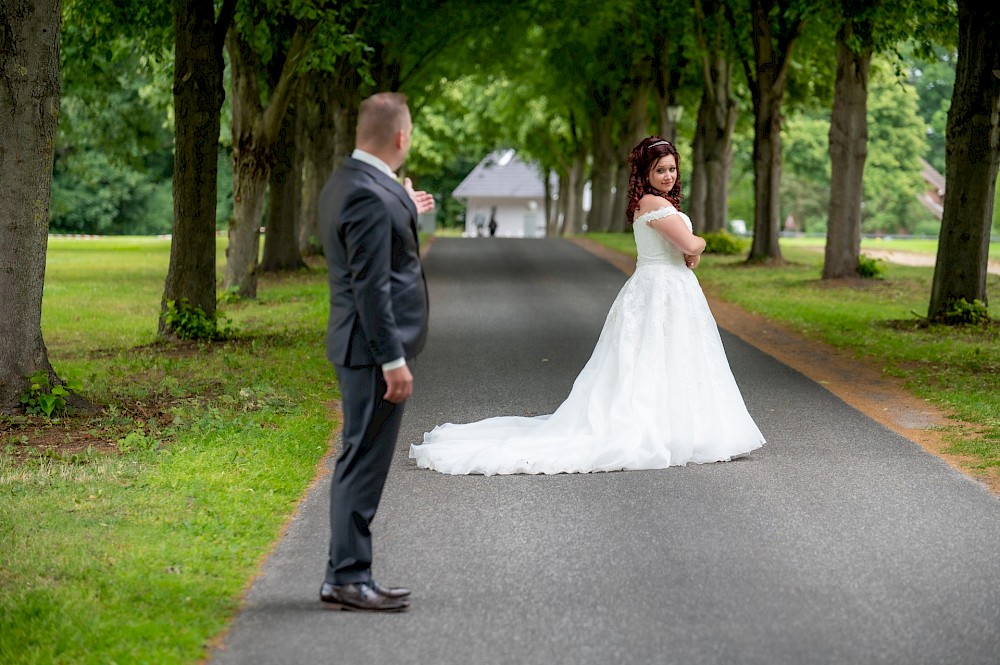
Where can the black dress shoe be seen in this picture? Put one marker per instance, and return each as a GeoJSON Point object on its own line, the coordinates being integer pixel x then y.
{"type": "Point", "coordinates": [360, 597]}
{"type": "Point", "coordinates": [391, 592]}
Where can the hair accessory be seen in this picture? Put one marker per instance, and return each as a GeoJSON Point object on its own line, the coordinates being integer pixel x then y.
{"type": "Point", "coordinates": [653, 145]}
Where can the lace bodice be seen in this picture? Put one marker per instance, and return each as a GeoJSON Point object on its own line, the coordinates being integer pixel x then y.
{"type": "Point", "coordinates": [651, 247]}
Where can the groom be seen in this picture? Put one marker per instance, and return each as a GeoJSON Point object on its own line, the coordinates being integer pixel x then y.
{"type": "Point", "coordinates": [378, 320]}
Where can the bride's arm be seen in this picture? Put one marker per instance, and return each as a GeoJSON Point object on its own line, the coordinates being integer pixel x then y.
{"type": "Point", "coordinates": [673, 228]}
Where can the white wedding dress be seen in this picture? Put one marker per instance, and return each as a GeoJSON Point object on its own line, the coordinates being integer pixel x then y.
{"type": "Point", "coordinates": [657, 391]}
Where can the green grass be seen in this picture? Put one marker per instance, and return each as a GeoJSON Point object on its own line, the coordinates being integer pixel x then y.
{"type": "Point", "coordinates": [958, 369]}
{"type": "Point", "coordinates": [916, 245]}
{"type": "Point", "coordinates": [129, 536]}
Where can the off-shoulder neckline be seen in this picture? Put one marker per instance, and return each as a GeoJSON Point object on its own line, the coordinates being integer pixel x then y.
{"type": "Point", "coordinates": [657, 214]}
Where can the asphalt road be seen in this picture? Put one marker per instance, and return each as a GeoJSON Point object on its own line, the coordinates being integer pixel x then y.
{"type": "Point", "coordinates": [837, 542]}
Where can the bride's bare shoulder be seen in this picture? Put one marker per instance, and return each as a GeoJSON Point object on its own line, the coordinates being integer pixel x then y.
{"type": "Point", "coordinates": [650, 202]}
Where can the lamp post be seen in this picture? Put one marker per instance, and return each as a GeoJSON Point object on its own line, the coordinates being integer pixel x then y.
{"type": "Point", "coordinates": [673, 116]}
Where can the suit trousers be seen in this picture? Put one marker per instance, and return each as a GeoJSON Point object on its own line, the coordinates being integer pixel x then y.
{"type": "Point", "coordinates": [370, 429]}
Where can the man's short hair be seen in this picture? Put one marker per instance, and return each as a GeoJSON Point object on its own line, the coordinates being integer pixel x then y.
{"type": "Point", "coordinates": [380, 117]}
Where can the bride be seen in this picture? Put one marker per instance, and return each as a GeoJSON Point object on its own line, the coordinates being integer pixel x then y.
{"type": "Point", "coordinates": [657, 391]}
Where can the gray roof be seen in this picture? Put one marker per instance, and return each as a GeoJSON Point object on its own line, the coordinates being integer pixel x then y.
{"type": "Point", "coordinates": [502, 175]}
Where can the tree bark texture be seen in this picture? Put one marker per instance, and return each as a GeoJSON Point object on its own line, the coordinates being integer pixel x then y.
{"type": "Point", "coordinates": [973, 152]}
{"type": "Point", "coordinates": [717, 116]}
{"type": "Point", "coordinates": [636, 128]}
{"type": "Point", "coordinates": [255, 131]}
{"type": "Point", "coordinates": [571, 193]}
{"type": "Point", "coordinates": [29, 102]}
{"type": "Point", "coordinates": [772, 53]}
{"type": "Point", "coordinates": [317, 137]}
{"type": "Point", "coordinates": [767, 182]}
{"type": "Point", "coordinates": [333, 121]}
{"type": "Point", "coordinates": [602, 176]}
{"type": "Point", "coordinates": [848, 151]}
{"type": "Point", "coordinates": [720, 123]}
{"type": "Point", "coordinates": [281, 243]}
{"type": "Point", "coordinates": [551, 212]}
{"type": "Point", "coordinates": [697, 176]}
{"type": "Point", "coordinates": [198, 98]}
{"type": "Point", "coordinates": [558, 221]}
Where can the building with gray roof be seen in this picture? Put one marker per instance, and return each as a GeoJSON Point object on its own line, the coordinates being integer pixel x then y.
{"type": "Point", "coordinates": [504, 188]}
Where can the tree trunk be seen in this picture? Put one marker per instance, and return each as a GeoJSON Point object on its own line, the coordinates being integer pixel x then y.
{"type": "Point", "coordinates": [198, 97]}
{"type": "Point", "coordinates": [29, 102]}
{"type": "Point", "coordinates": [848, 151]}
{"type": "Point", "coordinates": [636, 129]}
{"type": "Point", "coordinates": [772, 54]}
{"type": "Point", "coordinates": [602, 175]}
{"type": "Point", "coordinates": [573, 204]}
{"type": "Point", "coordinates": [551, 211]}
{"type": "Point", "coordinates": [973, 153]}
{"type": "Point", "coordinates": [317, 138]}
{"type": "Point", "coordinates": [255, 131]}
{"type": "Point", "coordinates": [580, 183]}
{"type": "Point", "coordinates": [281, 246]}
{"type": "Point", "coordinates": [698, 178]}
{"type": "Point", "coordinates": [718, 146]}
{"type": "Point", "coordinates": [716, 116]}
{"type": "Point", "coordinates": [558, 224]}
{"type": "Point", "coordinates": [345, 122]}
{"type": "Point", "coordinates": [767, 181]}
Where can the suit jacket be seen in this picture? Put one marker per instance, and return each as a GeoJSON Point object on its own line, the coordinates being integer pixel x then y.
{"type": "Point", "coordinates": [378, 294]}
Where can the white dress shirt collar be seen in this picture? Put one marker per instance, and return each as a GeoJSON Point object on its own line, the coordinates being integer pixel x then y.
{"type": "Point", "coordinates": [372, 160]}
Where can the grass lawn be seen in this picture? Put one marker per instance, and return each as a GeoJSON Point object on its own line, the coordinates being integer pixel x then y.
{"type": "Point", "coordinates": [915, 245]}
{"type": "Point", "coordinates": [958, 369]}
{"type": "Point", "coordinates": [129, 536]}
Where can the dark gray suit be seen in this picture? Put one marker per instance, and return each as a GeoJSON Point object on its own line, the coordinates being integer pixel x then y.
{"type": "Point", "coordinates": [378, 313]}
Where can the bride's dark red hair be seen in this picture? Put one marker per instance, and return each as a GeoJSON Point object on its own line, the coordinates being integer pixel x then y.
{"type": "Point", "coordinates": [643, 157]}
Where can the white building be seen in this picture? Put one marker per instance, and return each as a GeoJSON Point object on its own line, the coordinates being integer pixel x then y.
{"type": "Point", "coordinates": [511, 191]}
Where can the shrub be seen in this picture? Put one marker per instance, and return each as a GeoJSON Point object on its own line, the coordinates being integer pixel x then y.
{"type": "Point", "coordinates": [962, 312]}
{"type": "Point", "coordinates": [723, 242]}
{"type": "Point", "coordinates": [188, 321]}
{"type": "Point", "coordinates": [869, 268]}
{"type": "Point", "coordinates": [44, 399]}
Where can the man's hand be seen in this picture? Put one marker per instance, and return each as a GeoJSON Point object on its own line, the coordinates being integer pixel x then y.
{"type": "Point", "coordinates": [399, 384]}
{"type": "Point", "coordinates": [421, 199]}
{"type": "Point", "coordinates": [692, 260]}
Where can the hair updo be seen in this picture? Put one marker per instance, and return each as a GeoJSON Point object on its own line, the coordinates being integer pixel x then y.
{"type": "Point", "coordinates": [642, 159]}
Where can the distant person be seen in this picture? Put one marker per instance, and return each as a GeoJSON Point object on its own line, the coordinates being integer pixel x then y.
{"type": "Point", "coordinates": [657, 391]}
{"type": "Point", "coordinates": [480, 224]}
{"type": "Point", "coordinates": [493, 222]}
{"type": "Point", "coordinates": [378, 321]}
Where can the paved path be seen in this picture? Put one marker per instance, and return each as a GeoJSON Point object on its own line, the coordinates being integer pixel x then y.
{"type": "Point", "coordinates": [838, 542]}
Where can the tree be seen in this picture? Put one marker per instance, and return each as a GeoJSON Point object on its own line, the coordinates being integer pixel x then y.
{"type": "Point", "coordinates": [775, 26]}
{"type": "Point", "coordinates": [198, 96]}
{"type": "Point", "coordinates": [29, 101]}
{"type": "Point", "coordinates": [256, 128]}
{"type": "Point", "coordinates": [137, 29]}
{"type": "Point", "coordinates": [281, 245]}
{"type": "Point", "coordinates": [717, 115]}
{"type": "Point", "coordinates": [865, 28]}
{"type": "Point", "coordinates": [973, 155]}
{"type": "Point", "coordinates": [848, 141]}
